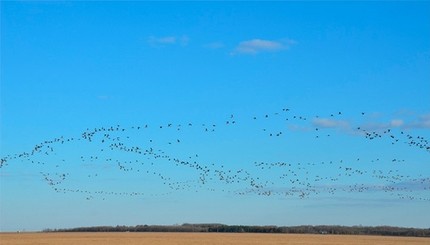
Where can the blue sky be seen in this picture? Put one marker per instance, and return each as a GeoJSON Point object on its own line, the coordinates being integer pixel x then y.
{"type": "Point", "coordinates": [201, 90]}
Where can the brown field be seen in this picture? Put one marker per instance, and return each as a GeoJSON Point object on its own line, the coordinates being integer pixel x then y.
{"type": "Point", "coordinates": [196, 239]}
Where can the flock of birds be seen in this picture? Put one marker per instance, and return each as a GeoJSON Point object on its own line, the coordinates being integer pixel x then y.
{"type": "Point", "coordinates": [156, 160]}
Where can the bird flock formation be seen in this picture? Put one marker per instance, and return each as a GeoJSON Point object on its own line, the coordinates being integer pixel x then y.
{"type": "Point", "coordinates": [272, 154]}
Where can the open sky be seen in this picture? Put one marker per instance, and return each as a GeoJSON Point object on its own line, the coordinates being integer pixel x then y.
{"type": "Point", "coordinates": [280, 113]}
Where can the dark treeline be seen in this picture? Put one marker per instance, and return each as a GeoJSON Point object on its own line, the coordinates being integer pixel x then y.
{"type": "Point", "coordinates": [305, 229]}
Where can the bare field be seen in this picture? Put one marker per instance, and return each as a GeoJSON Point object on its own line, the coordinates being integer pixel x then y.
{"type": "Point", "coordinates": [196, 238]}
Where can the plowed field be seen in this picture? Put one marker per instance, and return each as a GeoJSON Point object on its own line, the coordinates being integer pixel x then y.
{"type": "Point", "coordinates": [197, 239]}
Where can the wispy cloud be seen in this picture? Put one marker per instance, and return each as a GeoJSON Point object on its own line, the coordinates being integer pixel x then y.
{"type": "Point", "coordinates": [423, 122]}
{"type": "Point", "coordinates": [330, 123]}
{"type": "Point", "coordinates": [381, 126]}
{"type": "Point", "coordinates": [420, 122]}
{"type": "Point", "coordinates": [168, 40]}
{"type": "Point", "coordinates": [256, 46]}
{"type": "Point", "coordinates": [420, 184]}
{"type": "Point", "coordinates": [299, 128]}
{"type": "Point", "coordinates": [396, 123]}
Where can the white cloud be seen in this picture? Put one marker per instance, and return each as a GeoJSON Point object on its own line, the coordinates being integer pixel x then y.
{"type": "Point", "coordinates": [256, 46]}
{"type": "Point", "coordinates": [422, 122]}
{"type": "Point", "coordinates": [396, 123]}
{"type": "Point", "coordinates": [378, 126]}
{"type": "Point", "coordinates": [330, 123]}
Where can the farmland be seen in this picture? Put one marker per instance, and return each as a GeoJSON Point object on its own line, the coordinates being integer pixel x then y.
{"type": "Point", "coordinates": [197, 238]}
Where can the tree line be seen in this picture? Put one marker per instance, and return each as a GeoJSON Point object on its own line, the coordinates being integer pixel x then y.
{"type": "Point", "coordinates": [304, 229]}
